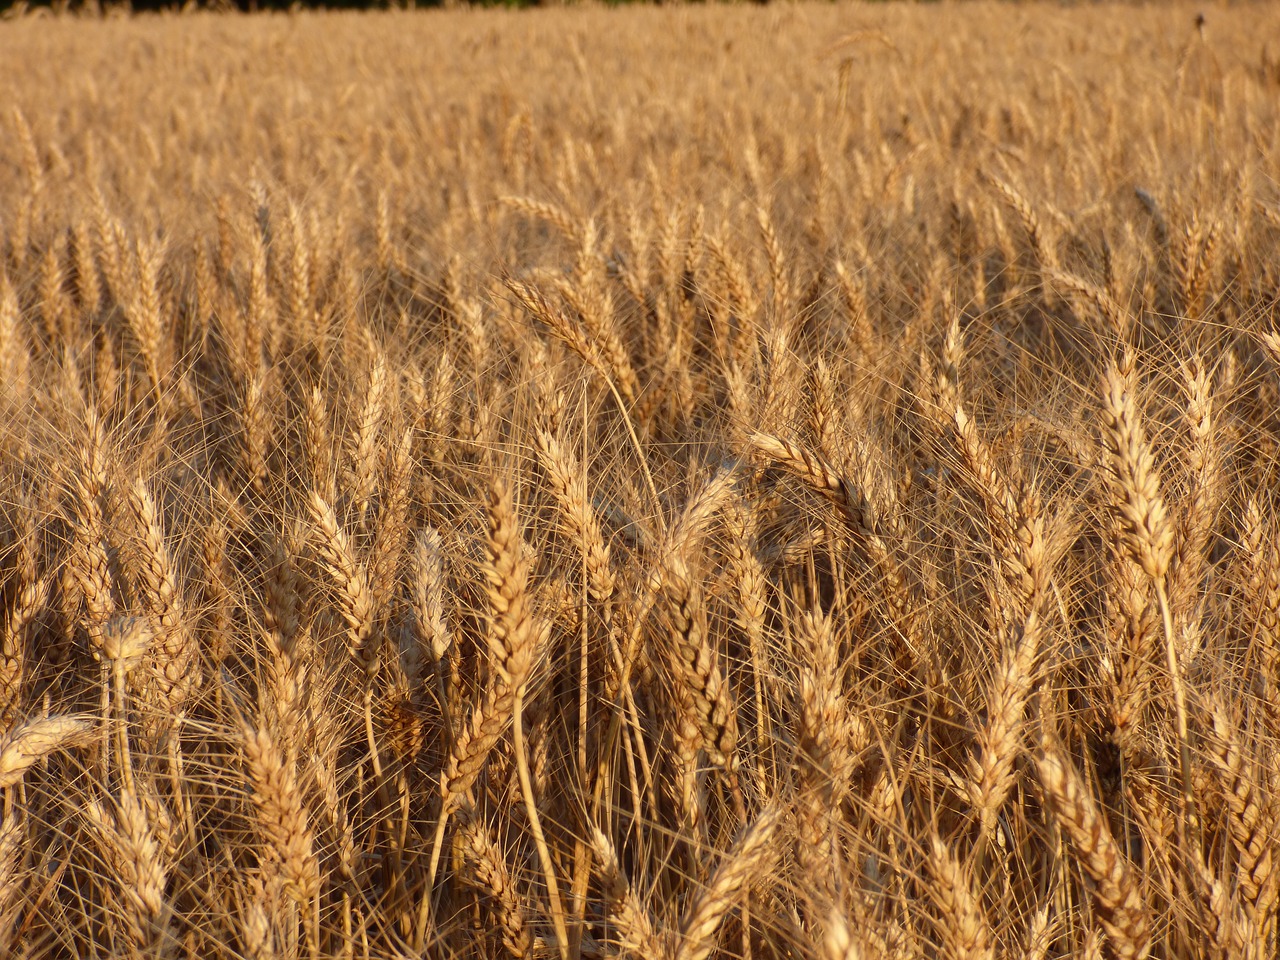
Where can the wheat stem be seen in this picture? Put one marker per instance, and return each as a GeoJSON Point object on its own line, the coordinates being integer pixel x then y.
{"type": "Point", "coordinates": [535, 827]}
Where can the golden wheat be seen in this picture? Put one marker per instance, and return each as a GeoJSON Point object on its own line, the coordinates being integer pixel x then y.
{"type": "Point", "coordinates": [646, 482]}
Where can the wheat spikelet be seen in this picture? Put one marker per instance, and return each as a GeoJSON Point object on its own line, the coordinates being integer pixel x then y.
{"type": "Point", "coordinates": [1132, 629]}
{"type": "Point", "coordinates": [637, 933]}
{"type": "Point", "coordinates": [819, 474]}
{"type": "Point", "coordinates": [548, 212]}
{"type": "Point", "coordinates": [569, 483]}
{"type": "Point", "coordinates": [29, 600]}
{"type": "Point", "coordinates": [488, 721]}
{"type": "Point", "coordinates": [88, 284]}
{"type": "Point", "coordinates": [999, 739]}
{"type": "Point", "coordinates": [691, 526]}
{"type": "Point", "coordinates": [822, 417]}
{"type": "Point", "coordinates": [1147, 533]}
{"type": "Point", "coordinates": [255, 431]}
{"type": "Point", "coordinates": [750, 612]}
{"type": "Point", "coordinates": [391, 524]}
{"type": "Point", "coordinates": [1119, 321]}
{"type": "Point", "coordinates": [1014, 513]}
{"type": "Point", "coordinates": [301, 311]}
{"type": "Point", "coordinates": [512, 636]}
{"type": "Point", "coordinates": [1222, 918]}
{"type": "Point", "coordinates": [778, 278]}
{"type": "Point", "coordinates": [12, 846]}
{"type": "Point", "coordinates": [1195, 525]}
{"type": "Point", "coordinates": [512, 639]}
{"type": "Point", "coordinates": [31, 164]}
{"type": "Point", "coordinates": [1195, 265]}
{"type": "Point", "coordinates": [829, 741]}
{"type": "Point", "coordinates": [838, 942]}
{"type": "Point", "coordinates": [594, 309]}
{"type": "Point", "coordinates": [257, 932]}
{"type": "Point", "coordinates": [260, 315]}
{"type": "Point", "coordinates": [368, 426]}
{"type": "Point", "coordinates": [318, 443]}
{"type": "Point", "coordinates": [734, 278]}
{"type": "Point", "coordinates": [864, 519]}
{"type": "Point", "coordinates": [428, 593]}
{"type": "Point", "coordinates": [1042, 244]}
{"type": "Point", "coordinates": [287, 669]}
{"type": "Point", "coordinates": [1252, 823]}
{"type": "Point", "coordinates": [90, 565]}
{"type": "Point", "coordinates": [1262, 586]}
{"type": "Point", "coordinates": [14, 352]}
{"type": "Point", "coordinates": [126, 639]}
{"type": "Point", "coordinates": [55, 305]}
{"type": "Point", "coordinates": [590, 339]}
{"type": "Point", "coordinates": [144, 310]}
{"type": "Point", "coordinates": [1039, 935]}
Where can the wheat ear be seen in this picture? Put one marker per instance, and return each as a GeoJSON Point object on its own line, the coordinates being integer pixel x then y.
{"type": "Point", "coordinates": [180, 668]}
{"type": "Point", "coordinates": [513, 639]}
{"type": "Point", "coordinates": [284, 825]}
{"type": "Point", "coordinates": [964, 925]}
{"type": "Point", "coordinates": [750, 857]}
{"type": "Point", "coordinates": [21, 747]}
{"type": "Point", "coordinates": [1116, 887]}
{"type": "Point", "coordinates": [516, 636]}
{"type": "Point", "coordinates": [1253, 821]}
{"type": "Point", "coordinates": [639, 938]}
{"type": "Point", "coordinates": [135, 854]}
{"type": "Point", "coordinates": [352, 580]}
{"type": "Point", "coordinates": [1148, 534]}
{"type": "Point", "coordinates": [489, 872]}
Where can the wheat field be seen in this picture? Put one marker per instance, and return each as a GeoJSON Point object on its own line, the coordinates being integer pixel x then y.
{"type": "Point", "coordinates": [679, 483]}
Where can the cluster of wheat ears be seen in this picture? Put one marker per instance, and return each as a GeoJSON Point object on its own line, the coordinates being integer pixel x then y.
{"type": "Point", "coordinates": [675, 483]}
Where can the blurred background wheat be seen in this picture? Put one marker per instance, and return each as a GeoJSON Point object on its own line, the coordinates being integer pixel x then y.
{"type": "Point", "coordinates": [683, 483]}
